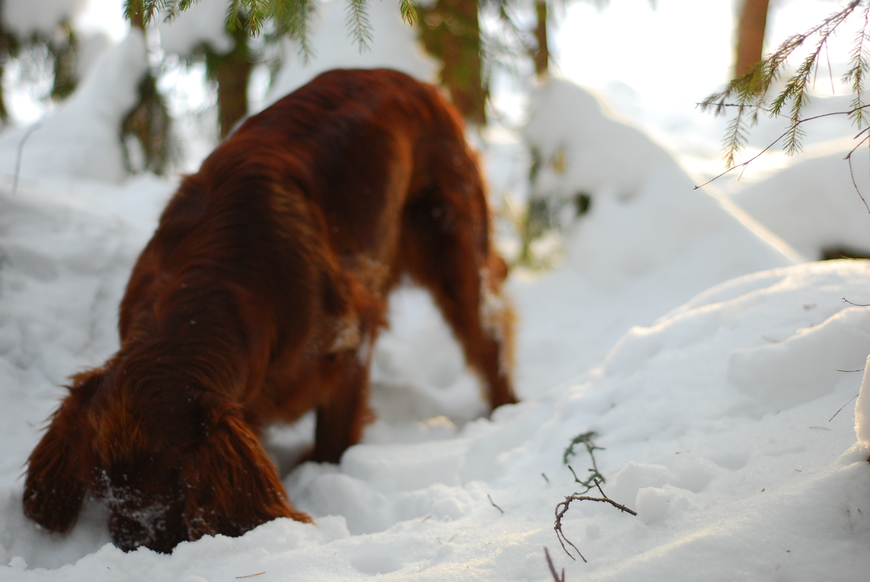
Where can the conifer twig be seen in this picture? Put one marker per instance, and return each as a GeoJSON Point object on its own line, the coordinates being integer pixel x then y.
{"type": "Point", "coordinates": [408, 9]}
{"type": "Point", "coordinates": [586, 439]}
{"type": "Point", "coordinates": [783, 135]}
{"type": "Point", "coordinates": [493, 503]}
{"type": "Point", "coordinates": [358, 24]}
{"type": "Point", "coordinates": [749, 92]}
{"type": "Point", "coordinates": [290, 17]}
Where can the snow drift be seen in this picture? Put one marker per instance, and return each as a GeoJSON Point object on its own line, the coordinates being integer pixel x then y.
{"type": "Point", "coordinates": [81, 139]}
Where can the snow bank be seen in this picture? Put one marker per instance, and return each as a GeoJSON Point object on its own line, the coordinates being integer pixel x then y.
{"type": "Point", "coordinates": [648, 243]}
{"type": "Point", "coordinates": [24, 18]}
{"type": "Point", "coordinates": [82, 139]}
{"type": "Point", "coordinates": [644, 209]}
{"type": "Point", "coordinates": [393, 45]}
{"type": "Point", "coordinates": [727, 477]}
{"type": "Point", "coordinates": [814, 205]}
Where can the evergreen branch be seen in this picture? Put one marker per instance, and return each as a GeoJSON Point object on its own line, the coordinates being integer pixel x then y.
{"type": "Point", "coordinates": [586, 439]}
{"type": "Point", "coordinates": [358, 24]}
{"type": "Point", "coordinates": [750, 91]}
{"type": "Point", "coordinates": [256, 12]}
{"type": "Point", "coordinates": [175, 7]}
{"type": "Point", "coordinates": [735, 135]}
{"type": "Point", "coordinates": [408, 8]}
{"type": "Point", "coordinates": [131, 8]}
{"type": "Point", "coordinates": [857, 73]}
{"type": "Point", "coordinates": [291, 18]}
{"type": "Point", "coordinates": [793, 137]}
{"type": "Point", "coordinates": [782, 136]}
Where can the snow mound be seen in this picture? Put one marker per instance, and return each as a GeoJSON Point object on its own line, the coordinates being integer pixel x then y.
{"type": "Point", "coordinates": [648, 242]}
{"type": "Point", "coordinates": [82, 139]}
{"type": "Point", "coordinates": [717, 475]}
{"type": "Point", "coordinates": [644, 209]}
{"type": "Point", "coordinates": [814, 204]}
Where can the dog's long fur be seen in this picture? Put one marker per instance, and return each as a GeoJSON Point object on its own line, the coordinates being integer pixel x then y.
{"type": "Point", "coordinates": [260, 297]}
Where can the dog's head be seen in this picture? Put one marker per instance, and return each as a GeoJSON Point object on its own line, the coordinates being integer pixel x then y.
{"type": "Point", "coordinates": [171, 463]}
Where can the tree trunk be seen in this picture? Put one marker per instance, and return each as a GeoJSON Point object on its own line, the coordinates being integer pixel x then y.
{"type": "Point", "coordinates": [541, 53]}
{"type": "Point", "coordinates": [450, 31]}
{"type": "Point", "coordinates": [231, 72]}
{"type": "Point", "coordinates": [750, 35]}
{"type": "Point", "coordinates": [4, 56]}
{"type": "Point", "coordinates": [64, 48]}
{"type": "Point", "coordinates": [8, 46]}
{"type": "Point", "coordinates": [149, 122]}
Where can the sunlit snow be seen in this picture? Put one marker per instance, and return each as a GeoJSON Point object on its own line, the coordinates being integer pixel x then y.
{"type": "Point", "coordinates": [718, 369]}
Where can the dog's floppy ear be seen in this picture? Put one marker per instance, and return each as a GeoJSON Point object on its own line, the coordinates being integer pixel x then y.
{"type": "Point", "coordinates": [54, 489]}
{"type": "Point", "coordinates": [231, 485]}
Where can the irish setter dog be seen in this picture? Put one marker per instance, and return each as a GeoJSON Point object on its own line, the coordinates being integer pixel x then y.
{"type": "Point", "coordinates": [260, 297]}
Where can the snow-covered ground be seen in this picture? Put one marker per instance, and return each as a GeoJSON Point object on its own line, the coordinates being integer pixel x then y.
{"type": "Point", "coordinates": [717, 368]}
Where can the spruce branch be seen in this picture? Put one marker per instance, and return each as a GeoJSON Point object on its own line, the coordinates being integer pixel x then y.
{"type": "Point", "coordinates": [785, 135]}
{"type": "Point", "coordinates": [856, 74]}
{"type": "Point", "coordinates": [585, 439]}
{"type": "Point", "coordinates": [408, 9]}
{"type": "Point", "coordinates": [358, 24]}
{"type": "Point", "coordinates": [290, 17]}
{"type": "Point", "coordinates": [749, 94]}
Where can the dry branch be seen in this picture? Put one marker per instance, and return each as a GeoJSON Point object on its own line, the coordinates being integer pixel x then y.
{"type": "Point", "coordinates": [563, 506]}
{"type": "Point", "coordinates": [556, 576]}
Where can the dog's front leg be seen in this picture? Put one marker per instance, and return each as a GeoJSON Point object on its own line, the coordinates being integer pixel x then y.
{"type": "Point", "coordinates": [340, 420]}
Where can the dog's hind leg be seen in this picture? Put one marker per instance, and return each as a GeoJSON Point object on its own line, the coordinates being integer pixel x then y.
{"type": "Point", "coordinates": [446, 248]}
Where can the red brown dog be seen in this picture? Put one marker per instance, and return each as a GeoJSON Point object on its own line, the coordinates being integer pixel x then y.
{"type": "Point", "coordinates": [260, 297]}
